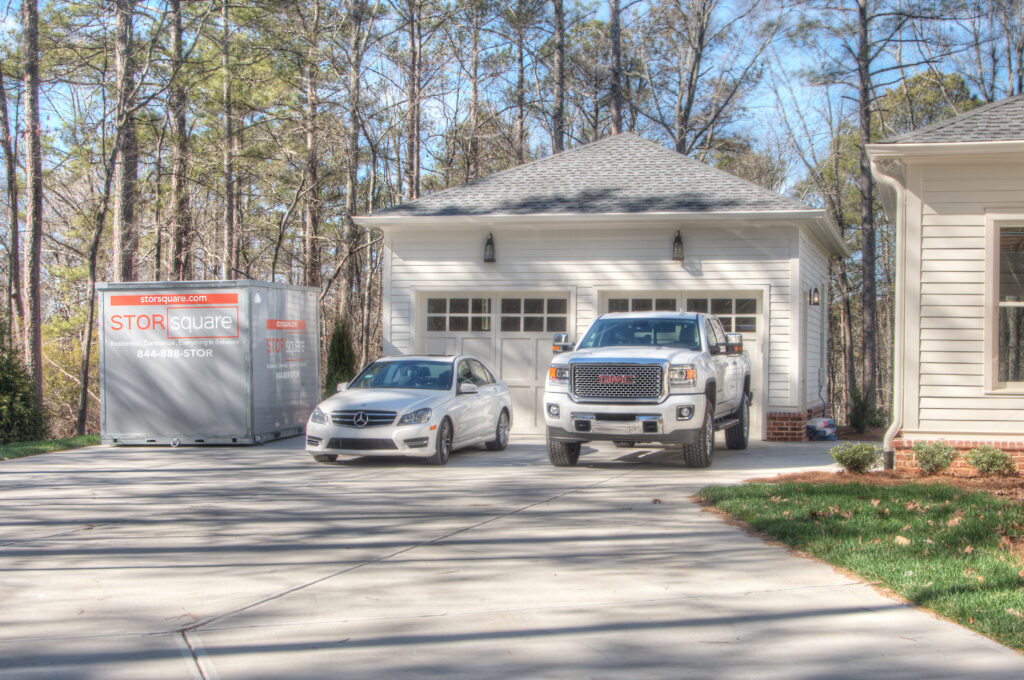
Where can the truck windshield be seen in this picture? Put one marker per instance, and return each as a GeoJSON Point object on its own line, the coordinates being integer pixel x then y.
{"type": "Point", "coordinates": [405, 375]}
{"type": "Point", "coordinates": [683, 333]}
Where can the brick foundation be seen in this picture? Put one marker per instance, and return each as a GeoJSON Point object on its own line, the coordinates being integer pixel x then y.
{"type": "Point", "coordinates": [904, 453]}
{"type": "Point", "coordinates": [791, 426]}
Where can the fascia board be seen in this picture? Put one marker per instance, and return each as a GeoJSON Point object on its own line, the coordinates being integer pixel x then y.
{"type": "Point", "coordinates": [880, 151]}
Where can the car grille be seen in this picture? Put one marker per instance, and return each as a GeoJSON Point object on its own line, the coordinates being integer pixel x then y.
{"type": "Point", "coordinates": [350, 444]}
{"type": "Point", "coordinates": [372, 418]}
{"type": "Point", "coordinates": [615, 382]}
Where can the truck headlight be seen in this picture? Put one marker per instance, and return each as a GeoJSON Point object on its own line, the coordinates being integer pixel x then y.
{"type": "Point", "coordinates": [558, 375]}
{"type": "Point", "coordinates": [417, 417]}
{"type": "Point", "coordinates": [319, 416]}
{"type": "Point", "coordinates": [682, 376]}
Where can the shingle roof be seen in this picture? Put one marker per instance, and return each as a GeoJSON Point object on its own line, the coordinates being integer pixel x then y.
{"type": "Point", "coordinates": [620, 174]}
{"type": "Point", "coordinates": [1000, 121]}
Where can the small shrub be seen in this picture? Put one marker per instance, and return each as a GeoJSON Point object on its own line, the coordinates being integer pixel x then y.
{"type": "Point", "coordinates": [862, 412]}
{"type": "Point", "coordinates": [21, 414]}
{"type": "Point", "coordinates": [934, 457]}
{"type": "Point", "coordinates": [857, 458]}
{"type": "Point", "coordinates": [991, 461]}
{"type": "Point", "coordinates": [341, 359]}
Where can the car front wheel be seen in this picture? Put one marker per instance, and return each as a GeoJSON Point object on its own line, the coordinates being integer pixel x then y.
{"type": "Point", "coordinates": [500, 440]}
{"type": "Point", "coordinates": [443, 444]}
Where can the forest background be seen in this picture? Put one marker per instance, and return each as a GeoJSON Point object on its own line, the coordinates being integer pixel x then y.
{"type": "Point", "coordinates": [190, 140]}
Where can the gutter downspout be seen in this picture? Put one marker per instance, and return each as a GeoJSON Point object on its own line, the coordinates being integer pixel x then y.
{"type": "Point", "coordinates": [884, 172]}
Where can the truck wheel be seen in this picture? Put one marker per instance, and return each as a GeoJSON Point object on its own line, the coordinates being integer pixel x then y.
{"type": "Point", "coordinates": [563, 454]}
{"type": "Point", "coordinates": [624, 445]}
{"type": "Point", "coordinates": [443, 448]}
{"type": "Point", "coordinates": [737, 436]}
{"type": "Point", "coordinates": [325, 457]}
{"type": "Point", "coordinates": [699, 453]}
{"type": "Point", "coordinates": [500, 440]}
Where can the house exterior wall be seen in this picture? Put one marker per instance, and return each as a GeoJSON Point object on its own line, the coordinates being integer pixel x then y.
{"type": "Point", "coordinates": [948, 389]}
{"type": "Point", "coordinates": [588, 262]}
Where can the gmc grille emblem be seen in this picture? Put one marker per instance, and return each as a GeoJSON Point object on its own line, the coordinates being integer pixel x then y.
{"type": "Point", "coordinates": [616, 380]}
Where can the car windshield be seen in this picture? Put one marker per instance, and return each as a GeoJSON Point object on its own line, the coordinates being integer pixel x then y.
{"type": "Point", "coordinates": [413, 374]}
{"type": "Point", "coordinates": [681, 333]}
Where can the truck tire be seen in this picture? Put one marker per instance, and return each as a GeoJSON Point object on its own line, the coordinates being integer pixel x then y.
{"type": "Point", "coordinates": [563, 454]}
{"type": "Point", "coordinates": [443, 447]}
{"type": "Point", "coordinates": [500, 440]}
{"type": "Point", "coordinates": [737, 436]}
{"type": "Point", "coordinates": [699, 453]}
{"type": "Point", "coordinates": [325, 457]}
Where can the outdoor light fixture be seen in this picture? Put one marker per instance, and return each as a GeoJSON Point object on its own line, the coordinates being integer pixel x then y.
{"type": "Point", "coordinates": [489, 249]}
{"type": "Point", "coordinates": [813, 297]}
{"type": "Point", "coordinates": [677, 248]}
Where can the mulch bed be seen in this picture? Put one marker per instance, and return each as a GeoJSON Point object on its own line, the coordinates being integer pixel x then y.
{"type": "Point", "coordinates": [1004, 487]}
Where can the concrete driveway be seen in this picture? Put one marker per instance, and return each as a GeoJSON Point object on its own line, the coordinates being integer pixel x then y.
{"type": "Point", "coordinates": [259, 563]}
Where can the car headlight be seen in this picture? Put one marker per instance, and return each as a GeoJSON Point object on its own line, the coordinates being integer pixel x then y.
{"type": "Point", "coordinates": [417, 417]}
{"type": "Point", "coordinates": [319, 416]}
{"type": "Point", "coordinates": [558, 375]}
{"type": "Point", "coordinates": [682, 376]}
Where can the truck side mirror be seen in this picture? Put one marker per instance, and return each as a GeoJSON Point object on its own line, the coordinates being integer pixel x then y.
{"type": "Point", "coordinates": [734, 344]}
{"type": "Point", "coordinates": [560, 343]}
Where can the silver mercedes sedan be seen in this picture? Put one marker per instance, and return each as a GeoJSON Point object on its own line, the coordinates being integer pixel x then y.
{"type": "Point", "coordinates": [412, 406]}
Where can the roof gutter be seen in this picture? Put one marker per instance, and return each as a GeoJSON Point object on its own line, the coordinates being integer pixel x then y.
{"type": "Point", "coordinates": [891, 176]}
{"type": "Point", "coordinates": [899, 150]}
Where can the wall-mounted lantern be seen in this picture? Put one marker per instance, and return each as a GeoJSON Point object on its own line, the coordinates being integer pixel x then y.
{"type": "Point", "coordinates": [489, 249]}
{"type": "Point", "coordinates": [677, 247]}
{"type": "Point", "coordinates": [813, 297]}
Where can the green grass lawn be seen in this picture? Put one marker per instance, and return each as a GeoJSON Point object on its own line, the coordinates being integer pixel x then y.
{"type": "Point", "coordinates": [22, 449]}
{"type": "Point", "coordinates": [942, 548]}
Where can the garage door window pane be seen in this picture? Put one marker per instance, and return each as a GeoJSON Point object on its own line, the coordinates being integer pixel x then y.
{"type": "Point", "coordinates": [533, 324]}
{"type": "Point", "coordinates": [557, 305]}
{"type": "Point", "coordinates": [746, 306]}
{"type": "Point", "coordinates": [697, 306]}
{"type": "Point", "coordinates": [481, 323]}
{"type": "Point", "coordinates": [458, 323]}
{"type": "Point", "coordinates": [481, 305]}
{"type": "Point", "coordinates": [726, 324]}
{"type": "Point", "coordinates": [618, 305]}
{"type": "Point", "coordinates": [437, 306]}
{"type": "Point", "coordinates": [511, 306]}
{"type": "Point", "coordinates": [641, 305]}
{"type": "Point", "coordinates": [510, 324]}
{"type": "Point", "coordinates": [665, 304]}
{"type": "Point", "coordinates": [556, 324]}
{"type": "Point", "coordinates": [721, 306]}
{"type": "Point", "coordinates": [533, 306]}
{"type": "Point", "coordinates": [458, 306]}
{"type": "Point", "coordinates": [436, 323]}
{"type": "Point", "coordinates": [746, 324]}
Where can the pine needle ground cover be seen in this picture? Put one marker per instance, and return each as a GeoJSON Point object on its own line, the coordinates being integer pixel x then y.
{"type": "Point", "coordinates": [22, 449]}
{"type": "Point", "coordinates": [958, 553]}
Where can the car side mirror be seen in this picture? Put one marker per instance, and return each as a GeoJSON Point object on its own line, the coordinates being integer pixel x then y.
{"type": "Point", "coordinates": [734, 344]}
{"type": "Point", "coordinates": [342, 386]}
{"type": "Point", "coordinates": [468, 388]}
{"type": "Point", "coordinates": [560, 343]}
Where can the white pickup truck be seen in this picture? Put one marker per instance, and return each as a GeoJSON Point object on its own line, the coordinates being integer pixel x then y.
{"type": "Point", "coordinates": [664, 378]}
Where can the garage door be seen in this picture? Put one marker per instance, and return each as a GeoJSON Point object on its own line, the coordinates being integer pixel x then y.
{"type": "Point", "coordinates": [510, 332]}
{"type": "Point", "coordinates": [740, 312]}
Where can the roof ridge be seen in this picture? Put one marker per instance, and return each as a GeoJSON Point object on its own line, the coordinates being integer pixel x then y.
{"type": "Point", "coordinates": [953, 120]}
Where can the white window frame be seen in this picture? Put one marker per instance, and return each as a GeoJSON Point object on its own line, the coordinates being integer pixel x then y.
{"type": "Point", "coordinates": [994, 221]}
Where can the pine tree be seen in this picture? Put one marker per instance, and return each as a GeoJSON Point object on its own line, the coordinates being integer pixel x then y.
{"type": "Point", "coordinates": [341, 359]}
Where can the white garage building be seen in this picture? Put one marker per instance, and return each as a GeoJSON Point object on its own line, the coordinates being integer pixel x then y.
{"type": "Point", "coordinates": [592, 230]}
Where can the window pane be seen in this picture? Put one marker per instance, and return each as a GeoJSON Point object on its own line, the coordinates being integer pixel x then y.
{"type": "Point", "coordinates": [618, 305]}
{"type": "Point", "coordinates": [556, 324]}
{"type": "Point", "coordinates": [511, 306]}
{"type": "Point", "coordinates": [458, 306]}
{"type": "Point", "coordinates": [641, 304]}
{"type": "Point", "coordinates": [1011, 344]}
{"type": "Point", "coordinates": [533, 306]}
{"type": "Point", "coordinates": [481, 323]}
{"type": "Point", "coordinates": [1011, 264]}
{"type": "Point", "coordinates": [746, 306]}
{"type": "Point", "coordinates": [665, 304]}
{"type": "Point", "coordinates": [435, 323]}
{"type": "Point", "coordinates": [557, 305]}
{"type": "Point", "coordinates": [437, 306]}
{"type": "Point", "coordinates": [699, 306]}
{"type": "Point", "coordinates": [458, 323]}
{"type": "Point", "coordinates": [745, 324]}
{"type": "Point", "coordinates": [718, 305]}
{"type": "Point", "coordinates": [510, 323]}
{"type": "Point", "coordinates": [481, 305]}
{"type": "Point", "coordinates": [726, 324]}
{"type": "Point", "coordinates": [533, 324]}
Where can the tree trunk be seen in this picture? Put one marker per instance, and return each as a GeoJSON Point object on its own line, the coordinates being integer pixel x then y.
{"type": "Point", "coordinates": [126, 168]}
{"type": "Point", "coordinates": [181, 220]}
{"type": "Point", "coordinates": [867, 209]}
{"type": "Point", "coordinates": [473, 157]}
{"type": "Point", "coordinates": [228, 249]}
{"type": "Point", "coordinates": [558, 106]}
{"type": "Point", "coordinates": [357, 46]}
{"type": "Point", "coordinates": [17, 305]}
{"type": "Point", "coordinates": [615, 35]}
{"type": "Point", "coordinates": [520, 96]}
{"type": "Point", "coordinates": [311, 268]}
{"type": "Point", "coordinates": [412, 151]}
{"type": "Point", "coordinates": [34, 183]}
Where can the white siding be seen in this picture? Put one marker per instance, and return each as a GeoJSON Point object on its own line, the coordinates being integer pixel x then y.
{"type": "Point", "coordinates": [945, 349]}
{"type": "Point", "coordinates": [814, 274]}
{"type": "Point", "coordinates": [595, 261]}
